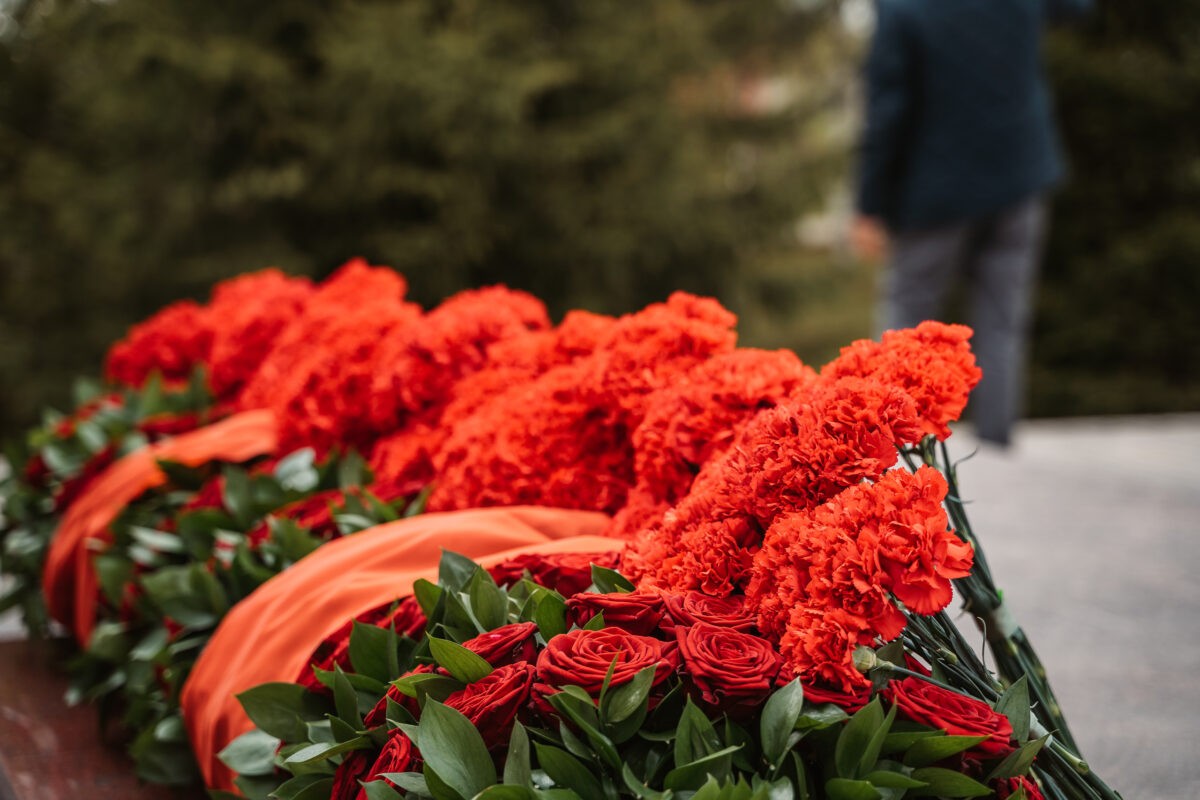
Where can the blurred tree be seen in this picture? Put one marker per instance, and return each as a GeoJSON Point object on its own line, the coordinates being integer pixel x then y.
{"type": "Point", "coordinates": [596, 153]}
{"type": "Point", "coordinates": [1118, 328]}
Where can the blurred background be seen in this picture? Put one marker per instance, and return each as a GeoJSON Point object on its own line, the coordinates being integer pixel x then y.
{"type": "Point", "coordinates": [598, 154]}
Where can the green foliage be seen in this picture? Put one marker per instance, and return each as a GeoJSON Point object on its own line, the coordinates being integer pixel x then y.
{"type": "Point", "coordinates": [1117, 326]}
{"type": "Point", "coordinates": [598, 154]}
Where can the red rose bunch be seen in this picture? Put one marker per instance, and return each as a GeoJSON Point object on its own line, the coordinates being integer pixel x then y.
{"type": "Point", "coordinates": [635, 689]}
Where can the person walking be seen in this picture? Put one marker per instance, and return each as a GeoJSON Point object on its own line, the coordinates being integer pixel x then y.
{"type": "Point", "coordinates": [958, 152]}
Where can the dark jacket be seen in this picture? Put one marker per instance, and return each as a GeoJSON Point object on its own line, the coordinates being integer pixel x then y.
{"type": "Point", "coordinates": [958, 118]}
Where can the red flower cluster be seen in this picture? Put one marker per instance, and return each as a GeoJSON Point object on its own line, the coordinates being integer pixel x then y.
{"type": "Point", "coordinates": [825, 578]}
{"type": "Point", "coordinates": [171, 343]}
{"type": "Point", "coordinates": [248, 315]}
{"type": "Point", "coordinates": [317, 379]}
{"type": "Point", "coordinates": [230, 336]}
{"type": "Point", "coordinates": [794, 456]}
{"type": "Point", "coordinates": [800, 512]}
{"type": "Point", "coordinates": [563, 437]}
{"type": "Point", "coordinates": [932, 362]}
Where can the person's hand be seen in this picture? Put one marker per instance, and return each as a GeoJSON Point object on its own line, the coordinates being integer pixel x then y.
{"type": "Point", "coordinates": [868, 239]}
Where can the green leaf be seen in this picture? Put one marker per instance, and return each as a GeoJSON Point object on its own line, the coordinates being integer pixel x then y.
{"type": "Point", "coordinates": [455, 571]}
{"type": "Point", "coordinates": [517, 769]}
{"type": "Point", "coordinates": [1014, 704]}
{"type": "Point", "coordinates": [871, 753]}
{"type": "Point", "coordinates": [568, 772]}
{"type": "Point", "coordinates": [693, 774]}
{"type": "Point", "coordinates": [846, 789]}
{"type": "Point", "coordinates": [325, 750]}
{"type": "Point", "coordinates": [408, 781]}
{"type": "Point", "coordinates": [252, 753]}
{"type": "Point", "coordinates": [607, 581]}
{"type": "Point", "coordinates": [295, 471]}
{"type": "Point", "coordinates": [503, 792]}
{"type": "Point", "coordinates": [156, 540]}
{"type": "Point", "coordinates": [379, 790]}
{"type": "Point", "coordinates": [311, 786]}
{"type": "Point", "coordinates": [891, 779]}
{"type": "Point", "coordinates": [946, 783]}
{"type": "Point", "coordinates": [905, 734]}
{"type": "Point", "coordinates": [639, 789]}
{"type": "Point", "coordinates": [417, 504]}
{"type": "Point", "coordinates": [352, 471]}
{"type": "Point", "coordinates": [779, 718]}
{"type": "Point", "coordinates": [453, 748]}
{"type": "Point", "coordinates": [439, 687]}
{"type": "Point", "coordinates": [282, 709]}
{"type": "Point", "coordinates": [695, 737]}
{"type": "Point", "coordinates": [1019, 761]}
{"type": "Point", "coordinates": [427, 594]}
{"type": "Point", "coordinates": [550, 615]}
{"type": "Point", "coordinates": [438, 787]}
{"type": "Point", "coordinates": [622, 702]}
{"type": "Point", "coordinates": [373, 651]}
{"type": "Point", "coordinates": [237, 496]}
{"type": "Point", "coordinates": [855, 738]}
{"type": "Point", "coordinates": [932, 749]}
{"type": "Point", "coordinates": [819, 717]}
{"type": "Point", "coordinates": [489, 603]}
{"type": "Point", "coordinates": [461, 663]}
{"type": "Point", "coordinates": [346, 700]}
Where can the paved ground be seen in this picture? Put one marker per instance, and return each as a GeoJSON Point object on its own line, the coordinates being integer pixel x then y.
{"type": "Point", "coordinates": [1092, 528]}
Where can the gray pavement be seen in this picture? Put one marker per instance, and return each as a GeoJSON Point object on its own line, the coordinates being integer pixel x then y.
{"type": "Point", "coordinates": [1092, 528]}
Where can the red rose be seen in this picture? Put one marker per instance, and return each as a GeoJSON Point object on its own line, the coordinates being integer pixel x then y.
{"type": "Point", "coordinates": [565, 573]}
{"type": "Point", "coordinates": [353, 768]}
{"type": "Point", "coordinates": [637, 612]}
{"type": "Point", "coordinates": [505, 645]}
{"type": "Point", "coordinates": [688, 608]}
{"type": "Point", "coordinates": [378, 715]}
{"type": "Point", "coordinates": [732, 671]}
{"type": "Point", "coordinates": [397, 755]}
{"type": "Point", "coordinates": [582, 658]}
{"type": "Point", "coordinates": [956, 714]}
{"type": "Point", "coordinates": [492, 703]}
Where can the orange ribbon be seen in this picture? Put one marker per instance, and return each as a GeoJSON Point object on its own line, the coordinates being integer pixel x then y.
{"type": "Point", "coordinates": [69, 580]}
{"type": "Point", "coordinates": [270, 635]}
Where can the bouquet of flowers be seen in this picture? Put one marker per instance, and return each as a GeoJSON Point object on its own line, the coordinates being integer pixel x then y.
{"type": "Point", "coordinates": [539, 678]}
{"type": "Point", "coordinates": [766, 615]}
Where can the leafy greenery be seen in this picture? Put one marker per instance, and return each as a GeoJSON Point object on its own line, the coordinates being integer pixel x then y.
{"type": "Point", "coordinates": [1116, 327]}
{"type": "Point", "coordinates": [598, 154]}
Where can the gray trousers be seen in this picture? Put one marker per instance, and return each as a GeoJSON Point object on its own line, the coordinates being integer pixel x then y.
{"type": "Point", "coordinates": [998, 258]}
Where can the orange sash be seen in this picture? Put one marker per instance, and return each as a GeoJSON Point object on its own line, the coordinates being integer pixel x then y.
{"type": "Point", "coordinates": [69, 580]}
{"type": "Point", "coordinates": [270, 635]}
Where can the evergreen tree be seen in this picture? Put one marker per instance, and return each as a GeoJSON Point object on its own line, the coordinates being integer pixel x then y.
{"type": "Point", "coordinates": [1117, 329]}
{"type": "Point", "coordinates": [592, 152]}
